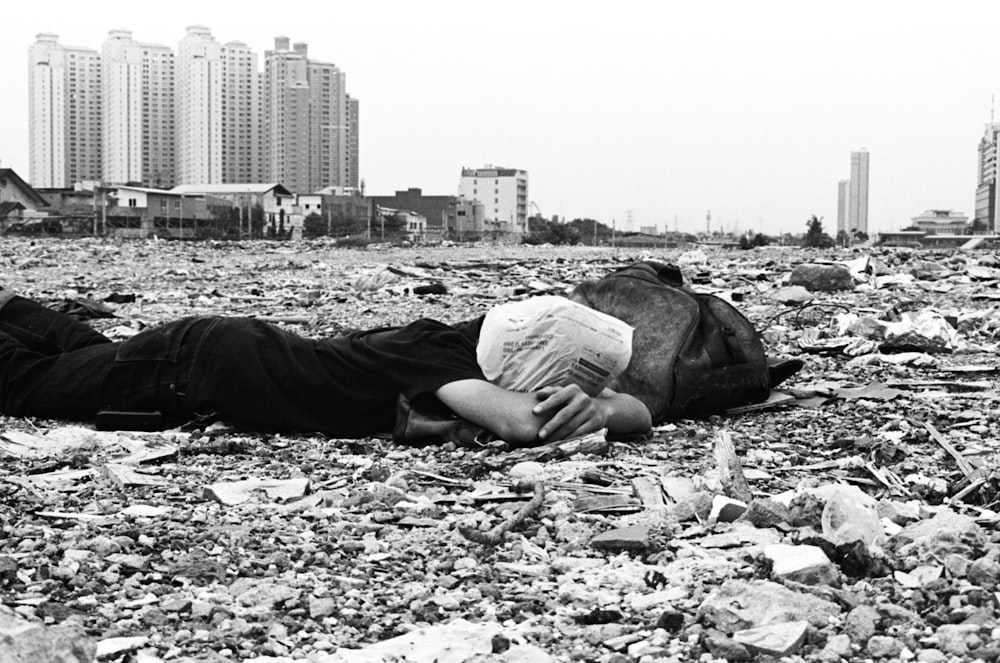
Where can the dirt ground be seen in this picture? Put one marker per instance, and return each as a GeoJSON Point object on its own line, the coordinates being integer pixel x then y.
{"type": "Point", "coordinates": [222, 544]}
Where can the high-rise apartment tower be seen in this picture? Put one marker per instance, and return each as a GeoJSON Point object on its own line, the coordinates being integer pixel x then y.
{"type": "Point", "coordinates": [986, 187]}
{"type": "Point", "coordinates": [857, 208]}
{"type": "Point", "coordinates": [139, 134]}
{"type": "Point", "coordinates": [64, 113]}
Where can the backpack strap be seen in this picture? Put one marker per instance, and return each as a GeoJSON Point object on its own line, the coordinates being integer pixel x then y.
{"type": "Point", "coordinates": [651, 270]}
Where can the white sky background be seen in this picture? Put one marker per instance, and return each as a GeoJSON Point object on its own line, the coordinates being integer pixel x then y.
{"type": "Point", "coordinates": [747, 108]}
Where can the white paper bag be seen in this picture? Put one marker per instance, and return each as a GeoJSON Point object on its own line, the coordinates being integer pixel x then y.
{"type": "Point", "coordinates": [552, 341]}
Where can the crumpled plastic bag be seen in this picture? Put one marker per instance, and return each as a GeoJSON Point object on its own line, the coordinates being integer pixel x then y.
{"type": "Point", "coordinates": [552, 341]}
{"type": "Point", "coordinates": [925, 331]}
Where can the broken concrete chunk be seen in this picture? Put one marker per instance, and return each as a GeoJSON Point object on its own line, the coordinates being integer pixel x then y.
{"type": "Point", "coordinates": [696, 506]}
{"type": "Point", "coordinates": [816, 277]}
{"type": "Point", "coordinates": [724, 648]}
{"type": "Point", "coordinates": [726, 509]}
{"type": "Point", "coordinates": [806, 564]}
{"type": "Point", "coordinates": [781, 639]}
{"type": "Point", "coordinates": [767, 513]}
{"type": "Point", "coordinates": [649, 492]}
{"type": "Point", "coordinates": [792, 295]}
{"type": "Point", "coordinates": [634, 537]}
{"type": "Point", "coordinates": [109, 647]}
{"type": "Point", "coordinates": [22, 641]}
{"type": "Point", "coordinates": [861, 623]}
{"type": "Point", "coordinates": [837, 647]}
{"type": "Point", "coordinates": [743, 604]}
{"type": "Point", "coordinates": [237, 492]}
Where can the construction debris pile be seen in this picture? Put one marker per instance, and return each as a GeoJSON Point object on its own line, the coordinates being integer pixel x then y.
{"type": "Point", "coordinates": [852, 516]}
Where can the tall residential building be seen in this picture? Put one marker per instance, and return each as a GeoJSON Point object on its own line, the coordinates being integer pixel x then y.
{"type": "Point", "coordinates": [843, 195]}
{"type": "Point", "coordinates": [199, 101]}
{"type": "Point", "coordinates": [64, 113]}
{"type": "Point", "coordinates": [857, 209]}
{"type": "Point", "coordinates": [986, 187]}
{"type": "Point", "coordinates": [139, 135]}
{"type": "Point", "coordinates": [306, 135]}
{"type": "Point", "coordinates": [136, 113]}
{"type": "Point", "coordinates": [217, 110]}
{"type": "Point", "coordinates": [240, 114]}
{"type": "Point", "coordinates": [503, 193]}
{"type": "Point", "coordinates": [352, 172]}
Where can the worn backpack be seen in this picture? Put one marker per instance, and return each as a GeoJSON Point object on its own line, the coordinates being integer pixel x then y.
{"type": "Point", "coordinates": [692, 354]}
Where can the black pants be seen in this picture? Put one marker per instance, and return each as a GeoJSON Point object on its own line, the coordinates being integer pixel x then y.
{"type": "Point", "coordinates": [54, 366]}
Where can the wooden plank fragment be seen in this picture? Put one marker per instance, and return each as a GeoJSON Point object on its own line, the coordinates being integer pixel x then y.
{"type": "Point", "coordinates": [730, 470]}
{"type": "Point", "coordinates": [963, 463]}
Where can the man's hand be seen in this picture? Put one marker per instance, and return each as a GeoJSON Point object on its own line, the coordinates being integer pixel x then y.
{"type": "Point", "coordinates": [568, 412]}
{"type": "Point", "coordinates": [552, 413]}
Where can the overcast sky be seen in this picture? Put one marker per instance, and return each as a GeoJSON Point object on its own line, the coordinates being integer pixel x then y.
{"type": "Point", "coordinates": [653, 111]}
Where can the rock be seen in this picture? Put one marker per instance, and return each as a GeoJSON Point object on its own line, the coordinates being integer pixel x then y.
{"type": "Point", "coordinates": [726, 509]}
{"type": "Point", "coordinates": [816, 277]}
{"type": "Point", "coordinates": [527, 469]}
{"type": "Point", "coordinates": [929, 541]}
{"type": "Point", "coordinates": [723, 647]}
{"type": "Point", "coordinates": [634, 537]}
{"type": "Point", "coordinates": [926, 270]}
{"type": "Point", "coordinates": [320, 607]}
{"type": "Point", "coordinates": [806, 510]}
{"type": "Point", "coordinates": [697, 505]}
{"type": "Point", "coordinates": [266, 595]}
{"type": "Point", "coordinates": [861, 623]}
{"type": "Point", "coordinates": [957, 566]}
{"type": "Point", "coordinates": [792, 295]}
{"type": "Point", "coordinates": [781, 639]}
{"type": "Point", "coordinates": [22, 641]}
{"type": "Point", "coordinates": [806, 564]}
{"type": "Point", "coordinates": [984, 572]}
{"type": "Point", "coordinates": [837, 647]}
{"type": "Point", "coordinates": [931, 656]}
{"type": "Point", "coordinates": [526, 653]}
{"type": "Point", "coordinates": [767, 513]}
{"type": "Point", "coordinates": [110, 647]}
{"type": "Point", "coordinates": [883, 646]}
{"type": "Point", "coordinates": [954, 638]}
{"type": "Point", "coordinates": [901, 513]}
{"type": "Point", "coordinates": [8, 569]}
{"type": "Point", "coordinates": [671, 620]}
{"type": "Point", "coordinates": [743, 604]}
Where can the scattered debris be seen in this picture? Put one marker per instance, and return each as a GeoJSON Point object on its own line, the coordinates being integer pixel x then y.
{"type": "Point", "coordinates": [856, 511]}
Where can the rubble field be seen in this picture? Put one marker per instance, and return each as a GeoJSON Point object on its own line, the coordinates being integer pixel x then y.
{"type": "Point", "coordinates": [853, 516]}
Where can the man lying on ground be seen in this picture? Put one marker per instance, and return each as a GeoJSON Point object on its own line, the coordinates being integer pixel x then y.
{"type": "Point", "coordinates": [254, 374]}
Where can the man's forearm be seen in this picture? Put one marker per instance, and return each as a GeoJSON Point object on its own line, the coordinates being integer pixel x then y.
{"type": "Point", "coordinates": [624, 414]}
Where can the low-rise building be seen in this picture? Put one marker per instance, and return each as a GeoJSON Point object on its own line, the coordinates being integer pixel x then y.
{"type": "Point", "coordinates": [275, 202]}
{"type": "Point", "coordinates": [445, 215]}
{"type": "Point", "coordinates": [941, 221]}
{"type": "Point", "coordinates": [18, 200]}
{"type": "Point", "coordinates": [141, 212]}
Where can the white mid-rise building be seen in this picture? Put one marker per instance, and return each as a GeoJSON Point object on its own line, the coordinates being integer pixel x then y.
{"type": "Point", "coordinates": [64, 113]}
{"type": "Point", "coordinates": [503, 193]}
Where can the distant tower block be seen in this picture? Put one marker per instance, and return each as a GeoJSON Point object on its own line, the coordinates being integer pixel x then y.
{"type": "Point", "coordinates": [857, 211]}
